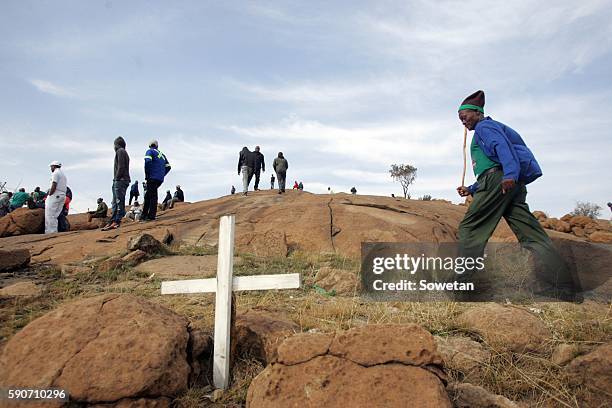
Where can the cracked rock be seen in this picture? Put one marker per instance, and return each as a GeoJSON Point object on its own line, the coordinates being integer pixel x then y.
{"type": "Point", "coordinates": [376, 365]}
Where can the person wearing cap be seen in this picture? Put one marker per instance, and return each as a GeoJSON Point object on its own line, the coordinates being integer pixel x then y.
{"type": "Point", "coordinates": [260, 165]}
{"type": "Point", "coordinates": [121, 182]}
{"type": "Point", "coordinates": [56, 198]}
{"type": "Point", "coordinates": [503, 166]}
{"type": "Point", "coordinates": [156, 169]}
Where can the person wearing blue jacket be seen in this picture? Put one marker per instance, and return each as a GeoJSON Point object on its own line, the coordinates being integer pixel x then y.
{"type": "Point", "coordinates": [156, 168]}
{"type": "Point", "coordinates": [503, 166]}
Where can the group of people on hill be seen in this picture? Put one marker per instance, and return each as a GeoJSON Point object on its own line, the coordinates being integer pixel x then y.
{"type": "Point", "coordinates": [156, 167]}
{"type": "Point", "coordinates": [55, 201]}
{"type": "Point", "coordinates": [252, 164]}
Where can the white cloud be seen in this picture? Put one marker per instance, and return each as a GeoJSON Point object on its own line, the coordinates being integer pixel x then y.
{"type": "Point", "coordinates": [53, 89]}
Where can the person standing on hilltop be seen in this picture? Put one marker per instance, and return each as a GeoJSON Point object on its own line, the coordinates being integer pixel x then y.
{"type": "Point", "coordinates": [280, 166]}
{"type": "Point", "coordinates": [272, 179]}
{"type": "Point", "coordinates": [156, 169]}
{"type": "Point", "coordinates": [260, 165]}
{"type": "Point", "coordinates": [246, 165]}
{"type": "Point", "coordinates": [134, 193]}
{"type": "Point", "coordinates": [56, 198]}
{"type": "Point", "coordinates": [121, 181]}
{"type": "Point", "coordinates": [503, 165]}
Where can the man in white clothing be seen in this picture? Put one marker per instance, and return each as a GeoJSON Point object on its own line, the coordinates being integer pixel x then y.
{"type": "Point", "coordinates": [56, 198]}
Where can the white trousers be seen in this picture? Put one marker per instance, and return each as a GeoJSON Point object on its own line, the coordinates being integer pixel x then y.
{"type": "Point", "coordinates": [53, 208]}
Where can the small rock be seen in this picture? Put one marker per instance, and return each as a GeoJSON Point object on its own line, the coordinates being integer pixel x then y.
{"type": "Point", "coordinates": [14, 259]}
{"type": "Point", "coordinates": [134, 257]}
{"type": "Point", "coordinates": [343, 282]}
{"type": "Point", "coordinates": [506, 328]}
{"type": "Point", "coordinates": [259, 333]}
{"type": "Point", "coordinates": [463, 354]}
{"type": "Point", "coordinates": [144, 242]}
{"type": "Point", "coordinates": [563, 353]}
{"type": "Point", "coordinates": [466, 395]}
{"type": "Point", "coordinates": [111, 263]}
{"type": "Point", "coordinates": [25, 289]}
{"type": "Point", "coordinates": [216, 395]}
{"type": "Point", "coordinates": [71, 270]}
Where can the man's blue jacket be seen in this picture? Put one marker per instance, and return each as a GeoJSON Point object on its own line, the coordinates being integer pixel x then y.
{"type": "Point", "coordinates": [156, 165]}
{"type": "Point", "coordinates": [505, 146]}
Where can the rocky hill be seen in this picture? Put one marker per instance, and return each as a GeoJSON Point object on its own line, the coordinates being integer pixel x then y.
{"type": "Point", "coordinates": [83, 311]}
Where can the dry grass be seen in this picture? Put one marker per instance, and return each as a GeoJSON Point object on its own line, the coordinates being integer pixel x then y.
{"type": "Point", "coordinates": [522, 377]}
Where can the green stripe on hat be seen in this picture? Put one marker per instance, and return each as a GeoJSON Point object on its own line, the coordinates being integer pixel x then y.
{"type": "Point", "coordinates": [473, 107]}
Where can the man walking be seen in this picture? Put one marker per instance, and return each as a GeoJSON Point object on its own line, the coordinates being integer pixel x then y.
{"type": "Point", "coordinates": [272, 179]}
{"type": "Point", "coordinates": [246, 165]}
{"type": "Point", "coordinates": [280, 166]}
{"type": "Point", "coordinates": [121, 181]}
{"type": "Point", "coordinates": [156, 168]}
{"type": "Point", "coordinates": [503, 165]}
{"type": "Point", "coordinates": [56, 198]}
{"type": "Point", "coordinates": [260, 165]}
{"type": "Point", "coordinates": [134, 193]}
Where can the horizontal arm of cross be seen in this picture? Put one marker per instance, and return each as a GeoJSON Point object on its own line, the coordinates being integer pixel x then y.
{"type": "Point", "coordinates": [253, 282]}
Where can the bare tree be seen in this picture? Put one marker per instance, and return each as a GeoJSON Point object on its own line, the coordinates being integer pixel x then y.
{"type": "Point", "coordinates": [585, 208]}
{"type": "Point", "coordinates": [405, 174]}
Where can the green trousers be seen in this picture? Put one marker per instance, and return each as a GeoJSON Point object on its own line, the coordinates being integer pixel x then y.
{"type": "Point", "coordinates": [486, 210]}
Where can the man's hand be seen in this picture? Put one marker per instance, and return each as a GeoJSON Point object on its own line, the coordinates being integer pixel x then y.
{"type": "Point", "coordinates": [463, 191]}
{"type": "Point", "coordinates": [507, 185]}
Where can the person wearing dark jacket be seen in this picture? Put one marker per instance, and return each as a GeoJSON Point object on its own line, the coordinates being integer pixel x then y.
{"type": "Point", "coordinates": [101, 211]}
{"type": "Point", "coordinates": [260, 165]}
{"type": "Point", "coordinates": [167, 201]}
{"type": "Point", "coordinates": [179, 196]}
{"type": "Point", "coordinates": [272, 179]}
{"type": "Point", "coordinates": [280, 166]}
{"type": "Point", "coordinates": [121, 181]}
{"type": "Point", "coordinates": [246, 165]}
{"type": "Point", "coordinates": [503, 166]}
{"type": "Point", "coordinates": [156, 168]}
{"type": "Point", "coordinates": [134, 193]}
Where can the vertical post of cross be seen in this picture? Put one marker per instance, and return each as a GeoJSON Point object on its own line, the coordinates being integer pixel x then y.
{"type": "Point", "coordinates": [223, 302]}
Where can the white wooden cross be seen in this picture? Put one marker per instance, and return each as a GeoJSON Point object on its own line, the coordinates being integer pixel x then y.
{"type": "Point", "coordinates": [223, 285]}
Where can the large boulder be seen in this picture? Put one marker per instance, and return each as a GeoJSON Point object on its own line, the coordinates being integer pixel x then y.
{"type": "Point", "coordinates": [23, 221]}
{"type": "Point", "coordinates": [377, 366]}
{"type": "Point", "coordinates": [259, 333]}
{"type": "Point", "coordinates": [106, 349]}
{"type": "Point", "coordinates": [506, 328]}
{"type": "Point", "coordinates": [604, 237]}
{"type": "Point", "coordinates": [14, 259]}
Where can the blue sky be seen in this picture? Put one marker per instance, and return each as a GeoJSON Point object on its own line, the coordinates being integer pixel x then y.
{"type": "Point", "coordinates": [344, 89]}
